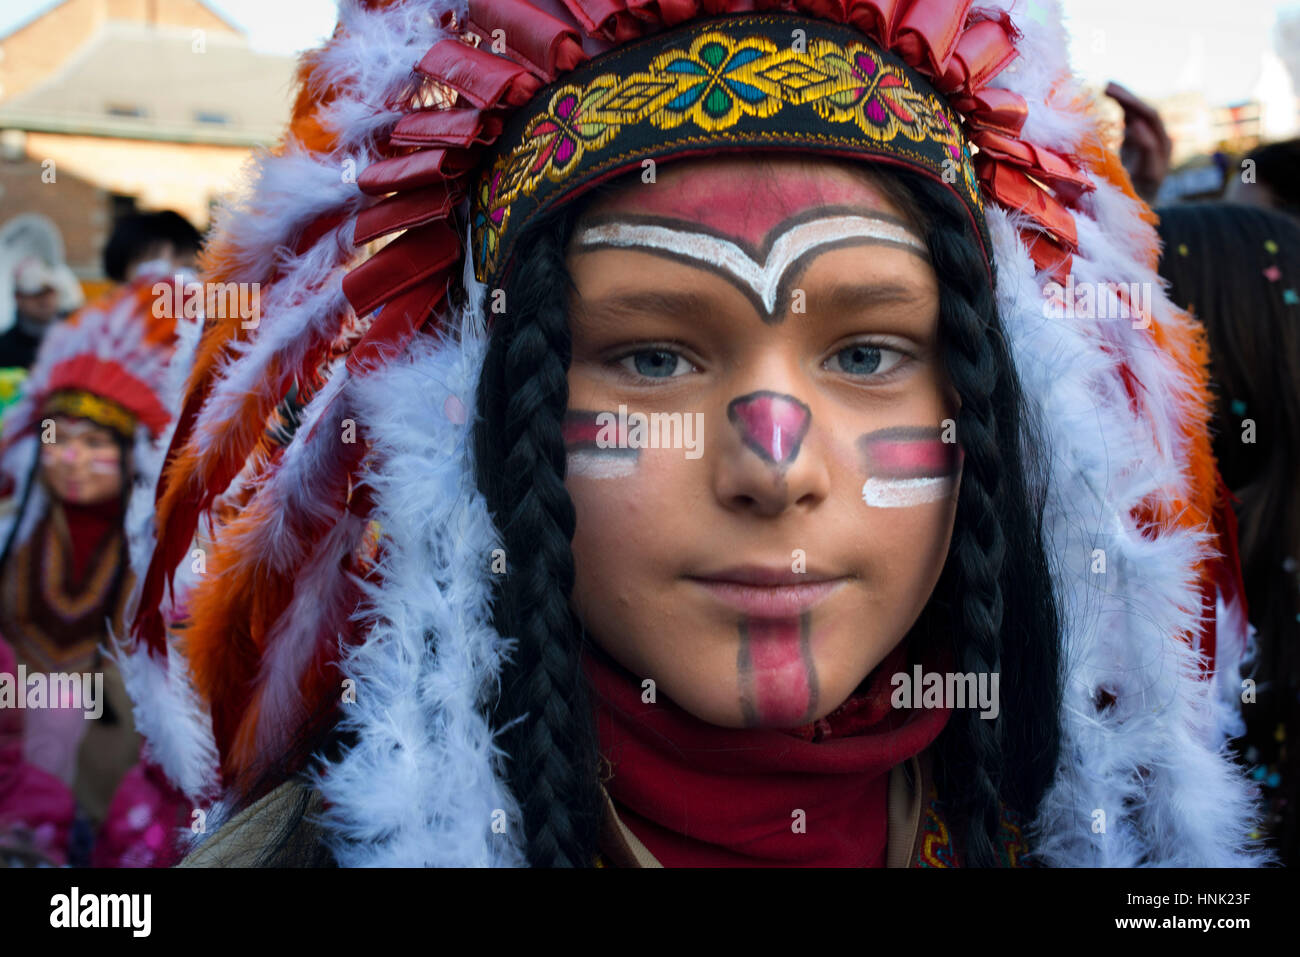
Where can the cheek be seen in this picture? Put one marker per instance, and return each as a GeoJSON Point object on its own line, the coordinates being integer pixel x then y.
{"type": "Point", "coordinates": [103, 462]}
{"type": "Point", "coordinates": [626, 534]}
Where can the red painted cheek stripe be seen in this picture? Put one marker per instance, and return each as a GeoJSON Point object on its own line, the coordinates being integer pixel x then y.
{"type": "Point", "coordinates": [777, 676]}
{"type": "Point", "coordinates": [909, 452]}
{"type": "Point", "coordinates": [581, 432]}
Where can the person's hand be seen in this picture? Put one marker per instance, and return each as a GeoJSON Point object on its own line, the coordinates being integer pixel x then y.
{"type": "Point", "coordinates": [1146, 149]}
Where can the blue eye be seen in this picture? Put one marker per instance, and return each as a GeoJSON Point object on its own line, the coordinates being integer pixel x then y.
{"type": "Point", "coordinates": [859, 360]}
{"type": "Point", "coordinates": [655, 363]}
{"type": "Point", "coordinates": [865, 359]}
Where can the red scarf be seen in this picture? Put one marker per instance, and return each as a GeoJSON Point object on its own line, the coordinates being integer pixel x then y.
{"type": "Point", "coordinates": [698, 795]}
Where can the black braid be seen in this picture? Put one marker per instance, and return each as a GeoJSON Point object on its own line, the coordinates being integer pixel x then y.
{"type": "Point", "coordinates": [997, 588]}
{"type": "Point", "coordinates": [521, 464]}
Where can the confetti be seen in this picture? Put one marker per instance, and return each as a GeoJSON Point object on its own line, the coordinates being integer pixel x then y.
{"type": "Point", "coordinates": [1271, 247]}
{"type": "Point", "coordinates": [1289, 297]}
{"type": "Point", "coordinates": [1272, 274]}
{"type": "Point", "coordinates": [1182, 249]}
{"type": "Point", "coordinates": [1238, 407]}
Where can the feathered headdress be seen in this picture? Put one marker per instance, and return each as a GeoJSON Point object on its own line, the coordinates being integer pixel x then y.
{"type": "Point", "coordinates": [420, 116]}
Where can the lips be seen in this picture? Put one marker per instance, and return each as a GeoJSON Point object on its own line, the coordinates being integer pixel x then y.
{"type": "Point", "coordinates": [767, 592]}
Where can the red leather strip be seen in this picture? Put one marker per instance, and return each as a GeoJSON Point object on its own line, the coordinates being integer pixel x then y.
{"type": "Point", "coordinates": [314, 230]}
{"type": "Point", "coordinates": [456, 127]}
{"type": "Point", "coordinates": [595, 16]}
{"type": "Point", "coordinates": [397, 324]}
{"type": "Point", "coordinates": [402, 264]}
{"type": "Point", "coordinates": [406, 210]}
{"type": "Point", "coordinates": [879, 18]}
{"type": "Point", "coordinates": [1040, 162]}
{"type": "Point", "coordinates": [985, 50]}
{"type": "Point", "coordinates": [1047, 255]}
{"type": "Point", "coordinates": [1013, 189]}
{"type": "Point", "coordinates": [929, 31]}
{"type": "Point", "coordinates": [993, 109]}
{"type": "Point", "coordinates": [833, 10]}
{"type": "Point", "coordinates": [547, 43]}
{"type": "Point", "coordinates": [478, 75]}
{"type": "Point", "coordinates": [422, 168]}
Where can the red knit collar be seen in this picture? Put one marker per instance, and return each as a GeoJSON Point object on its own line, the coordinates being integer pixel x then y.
{"type": "Point", "coordinates": [700, 795]}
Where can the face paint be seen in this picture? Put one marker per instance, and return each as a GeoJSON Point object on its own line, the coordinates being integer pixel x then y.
{"type": "Point", "coordinates": [908, 466]}
{"type": "Point", "coordinates": [778, 680]}
{"type": "Point", "coordinates": [770, 423]}
{"type": "Point", "coordinates": [106, 462]}
{"type": "Point", "coordinates": [595, 448]}
{"type": "Point", "coordinates": [766, 272]}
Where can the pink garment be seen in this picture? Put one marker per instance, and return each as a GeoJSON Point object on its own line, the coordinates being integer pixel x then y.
{"type": "Point", "coordinates": [141, 827]}
{"type": "Point", "coordinates": [36, 808]}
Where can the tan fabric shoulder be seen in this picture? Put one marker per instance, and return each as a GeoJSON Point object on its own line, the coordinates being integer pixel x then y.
{"type": "Point", "coordinates": [242, 840]}
{"type": "Point", "coordinates": [904, 814]}
{"type": "Point", "coordinates": [619, 844]}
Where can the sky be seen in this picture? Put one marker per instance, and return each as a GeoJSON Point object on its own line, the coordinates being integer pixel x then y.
{"type": "Point", "coordinates": [1154, 47]}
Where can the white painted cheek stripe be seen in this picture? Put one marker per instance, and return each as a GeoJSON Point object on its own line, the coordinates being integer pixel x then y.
{"type": "Point", "coordinates": [903, 493]}
{"type": "Point", "coordinates": [764, 279]}
{"type": "Point", "coordinates": [601, 465]}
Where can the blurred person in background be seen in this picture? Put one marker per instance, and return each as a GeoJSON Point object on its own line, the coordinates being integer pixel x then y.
{"type": "Point", "coordinates": [1274, 179]}
{"type": "Point", "coordinates": [1237, 270]}
{"type": "Point", "coordinates": [72, 451]}
{"type": "Point", "coordinates": [36, 809]}
{"type": "Point", "coordinates": [142, 238]}
{"type": "Point", "coordinates": [1146, 149]}
{"type": "Point", "coordinates": [43, 294]}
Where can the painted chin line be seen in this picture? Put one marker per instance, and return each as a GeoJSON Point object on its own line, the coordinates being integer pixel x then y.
{"type": "Point", "coordinates": [778, 678]}
{"type": "Point", "coordinates": [908, 466]}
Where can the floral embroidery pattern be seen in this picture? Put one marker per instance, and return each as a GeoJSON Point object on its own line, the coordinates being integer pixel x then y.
{"type": "Point", "coordinates": [725, 79]}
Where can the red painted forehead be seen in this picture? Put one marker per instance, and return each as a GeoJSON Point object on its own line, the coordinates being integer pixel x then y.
{"type": "Point", "coordinates": [745, 199]}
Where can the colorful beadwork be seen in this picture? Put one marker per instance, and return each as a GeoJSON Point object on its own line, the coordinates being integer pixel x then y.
{"type": "Point", "coordinates": [87, 405]}
{"type": "Point", "coordinates": [735, 82]}
{"type": "Point", "coordinates": [937, 848]}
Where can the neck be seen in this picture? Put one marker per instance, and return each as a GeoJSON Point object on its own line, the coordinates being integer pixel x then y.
{"type": "Point", "coordinates": [700, 795]}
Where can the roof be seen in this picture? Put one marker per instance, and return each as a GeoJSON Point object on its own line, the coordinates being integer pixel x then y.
{"type": "Point", "coordinates": [225, 93]}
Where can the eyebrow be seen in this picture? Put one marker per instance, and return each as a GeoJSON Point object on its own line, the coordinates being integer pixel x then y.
{"type": "Point", "coordinates": [643, 303]}
{"type": "Point", "coordinates": [847, 296]}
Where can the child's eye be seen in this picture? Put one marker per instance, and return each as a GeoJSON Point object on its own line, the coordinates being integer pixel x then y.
{"type": "Point", "coordinates": [656, 363]}
{"type": "Point", "coordinates": [864, 358]}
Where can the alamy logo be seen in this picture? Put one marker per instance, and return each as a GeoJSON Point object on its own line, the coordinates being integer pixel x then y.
{"type": "Point", "coordinates": [1099, 300]}
{"type": "Point", "coordinates": [211, 300]}
{"type": "Point", "coordinates": [932, 689]}
{"type": "Point", "coordinates": [658, 430]}
{"type": "Point", "coordinates": [57, 690]}
{"type": "Point", "coordinates": [103, 910]}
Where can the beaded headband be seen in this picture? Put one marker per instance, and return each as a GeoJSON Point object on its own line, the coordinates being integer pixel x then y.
{"type": "Point", "coordinates": [86, 405]}
{"type": "Point", "coordinates": [771, 82]}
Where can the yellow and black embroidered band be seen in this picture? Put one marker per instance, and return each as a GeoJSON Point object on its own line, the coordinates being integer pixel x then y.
{"type": "Point", "coordinates": [763, 81]}
{"type": "Point", "coordinates": [87, 405]}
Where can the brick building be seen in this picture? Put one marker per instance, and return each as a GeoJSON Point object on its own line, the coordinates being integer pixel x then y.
{"type": "Point", "coordinates": [112, 105]}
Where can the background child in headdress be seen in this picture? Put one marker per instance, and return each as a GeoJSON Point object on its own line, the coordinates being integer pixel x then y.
{"type": "Point", "coordinates": [72, 455]}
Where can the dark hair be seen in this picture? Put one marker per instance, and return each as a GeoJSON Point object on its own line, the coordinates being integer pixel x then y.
{"type": "Point", "coordinates": [1277, 166]}
{"type": "Point", "coordinates": [1220, 270]}
{"type": "Point", "coordinates": [137, 236]}
{"type": "Point", "coordinates": [994, 602]}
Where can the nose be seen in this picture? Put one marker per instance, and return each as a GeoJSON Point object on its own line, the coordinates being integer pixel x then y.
{"type": "Point", "coordinates": [766, 465]}
{"type": "Point", "coordinates": [771, 424]}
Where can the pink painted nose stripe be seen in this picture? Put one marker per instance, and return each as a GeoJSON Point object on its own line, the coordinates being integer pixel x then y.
{"type": "Point", "coordinates": [771, 424]}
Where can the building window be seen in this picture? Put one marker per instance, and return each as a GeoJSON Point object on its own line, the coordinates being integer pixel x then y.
{"type": "Point", "coordinates": [124, 109]}
{"type": "Point", "coordinates": [207, 116]}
